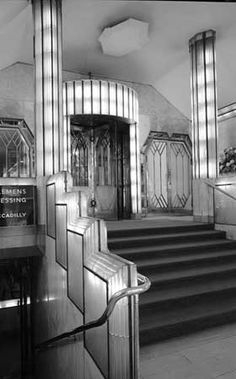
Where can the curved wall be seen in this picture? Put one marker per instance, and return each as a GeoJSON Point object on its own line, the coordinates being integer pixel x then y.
{"type": "Point", "coordinates": [100, 97]}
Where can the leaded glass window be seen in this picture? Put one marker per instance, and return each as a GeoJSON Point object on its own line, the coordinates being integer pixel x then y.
{"type": "Point", "coordinates": [79, 157]}
{"type": "Point", "coordinates": [104, 161]}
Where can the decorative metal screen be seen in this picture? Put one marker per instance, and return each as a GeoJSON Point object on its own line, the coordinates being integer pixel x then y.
{"type": "Point", "coordinates": [101, 161]}
{"type": "Point", "coordinates": [79, 156]}
{"type": "Point", "coordinates": [104, 157]}
{"type": "Point", "coordinates": [16, 149]}
{"type": "Point", "coordinates": [168, 170]}
{"type": "Point", "coordinates": [180, 175]}
{"type": "Point", "coordinates": [157, 174]}
{"type": "Point", "coordinates": [123, 174]}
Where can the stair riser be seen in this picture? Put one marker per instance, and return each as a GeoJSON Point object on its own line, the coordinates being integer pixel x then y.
{"type": "Point", "coordinates": [204, 262]}
{"type": "Point", "coordinates": [184, 328]}
{"type": "Point", "coordinates": [203, 278]}
{"type": "Point", "coordinates": [157, 231]}
{"type": "Point", "coordinates": [191, 310]}
{"type": "Point", "coordinates": [191, 300]}
{"type": "Point", "coordinates": [146, 254]}
{"type": "Point", "coordinates": [165, 240]}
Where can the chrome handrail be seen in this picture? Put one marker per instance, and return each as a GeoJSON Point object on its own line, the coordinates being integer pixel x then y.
{"type": "Point", "coordinates": [129, 291]}
{"type": "Point", "coordinates": [212, 185]}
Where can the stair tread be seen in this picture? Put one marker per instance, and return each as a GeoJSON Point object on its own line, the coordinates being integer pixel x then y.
{"type": "Point", "coordinates": [192, 269]}
{"type": "Point", "coordinates": [191, 272]}
{"type": "Point", "coordinates": [200, 244]}
{"type": "Point", "coordinates": [157, 237]}
{"type": "Point", "coordinates": [180, 292]}
{"type": "Point", "coordinates": [159, 228]}
{"type": "Point", "coordinates": [187, 313]}
{"type": "Point", "coordinates": [191, 257]}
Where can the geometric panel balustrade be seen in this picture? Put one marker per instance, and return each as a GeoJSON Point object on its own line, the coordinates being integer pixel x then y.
{"type": "Point", "coordinates": [93, 275]}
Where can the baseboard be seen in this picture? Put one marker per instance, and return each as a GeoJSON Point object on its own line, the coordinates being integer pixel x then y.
{"type": "Point", "coordinates": [229, 229]}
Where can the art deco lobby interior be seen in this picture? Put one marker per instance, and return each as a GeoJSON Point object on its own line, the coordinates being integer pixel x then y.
{"type": "Point", "coordinates": [117, 183]}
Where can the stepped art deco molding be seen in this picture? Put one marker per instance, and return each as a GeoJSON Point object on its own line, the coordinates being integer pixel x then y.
{"type": "Point", "coordinates": [78, 244]}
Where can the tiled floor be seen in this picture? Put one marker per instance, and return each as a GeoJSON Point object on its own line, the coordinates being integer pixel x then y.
{"type": "Point", "coordinates": [205, 355]}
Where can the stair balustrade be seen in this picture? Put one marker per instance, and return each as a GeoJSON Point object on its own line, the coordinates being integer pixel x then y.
{"type": "Point", "coordinates": [91, 280]}
{"type": "Point", "coordinates": [224, 202]}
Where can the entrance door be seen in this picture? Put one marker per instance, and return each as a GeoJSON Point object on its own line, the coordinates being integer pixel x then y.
{"type": "Point", "coordinates": [123, 173]}
{"type": "Point", "coordinates": [101, 167]}
{"type": "Point", "coordinates": [105, 172]}
{"type": "Point", "coordinates": [168, 169]}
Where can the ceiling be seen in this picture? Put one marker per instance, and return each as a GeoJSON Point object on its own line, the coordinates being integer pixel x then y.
{"type": "Point", "coordinates": [163, 62]}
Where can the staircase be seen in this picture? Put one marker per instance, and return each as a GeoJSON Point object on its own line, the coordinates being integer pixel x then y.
{"type": "Point", "coordinates": [192, 268]}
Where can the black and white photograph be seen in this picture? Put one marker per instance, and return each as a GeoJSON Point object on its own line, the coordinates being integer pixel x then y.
{"type": "Point", "coordinates": [117, 189]}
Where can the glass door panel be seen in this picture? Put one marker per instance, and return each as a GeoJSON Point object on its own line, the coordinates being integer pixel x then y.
{"type": "Point", "coordinates": [105, 172]}
{"type": "Point", "coordinates": [101, 166]}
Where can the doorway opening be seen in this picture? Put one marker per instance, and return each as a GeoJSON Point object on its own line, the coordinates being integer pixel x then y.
{"type": "Point", "coordinates": [167, 173]}
{"type": "Point", "coordinates": [16, 333]}
{"type": "Point", "coordinates": [100, 164]}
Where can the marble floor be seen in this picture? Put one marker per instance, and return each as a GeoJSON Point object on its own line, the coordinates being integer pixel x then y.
{"type": "Point", "coordinates": [207, 354]}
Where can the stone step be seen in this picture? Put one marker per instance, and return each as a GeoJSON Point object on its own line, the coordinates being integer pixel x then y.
{"type": "Point", "coordinates": [157, 240]}
{"type": "Point", "coordinates": [191, 274]}
{"type": "Point", "coordinates": [143, 230]}
{"type": "Point", "coordinates": [170, 263]}
{"type": "Point", "coordinates": [144, 252]}
{"type": "Point", "coordinates": [182, 294]}
{"type": "Point", "coordinates": [173, 322]}
{"type": "Point", "coordinates": [192, 269]}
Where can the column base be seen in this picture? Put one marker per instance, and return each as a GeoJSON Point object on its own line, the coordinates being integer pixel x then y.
{"type": "Point", "coordinates": [136, 216]}
{"type": "Point", "coordinates": [204, 219]}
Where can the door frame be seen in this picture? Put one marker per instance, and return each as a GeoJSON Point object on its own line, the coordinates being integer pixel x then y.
{"type": "Point", "coordinates": [122, 192]}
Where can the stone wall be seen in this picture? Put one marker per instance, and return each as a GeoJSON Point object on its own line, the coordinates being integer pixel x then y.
{"type": "Point", "coordinates": [157, 113]}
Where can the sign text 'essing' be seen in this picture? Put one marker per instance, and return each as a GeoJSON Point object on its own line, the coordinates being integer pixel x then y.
{"type": "Point", "coordinates": [17, 205]}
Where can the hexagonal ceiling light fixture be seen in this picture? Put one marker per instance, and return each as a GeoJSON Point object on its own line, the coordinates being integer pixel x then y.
{"type": "Point", "coordinates": [125, 37]}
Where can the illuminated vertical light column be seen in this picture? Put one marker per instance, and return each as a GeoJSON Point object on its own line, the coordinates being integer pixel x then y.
{"type": "Point", "coordinates": [48, 85]}
{"type": "Point", "coordinates": [204, 105]}
{"type": "Point", "coordinates": [135, 171]}
{"type": "Point", "coordinates": [68, 110]}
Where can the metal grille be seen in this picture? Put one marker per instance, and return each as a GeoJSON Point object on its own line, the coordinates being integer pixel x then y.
{"type": "Point", "coordinates": [79, 157]}
{"type": "Point", "coordinates": [168, 176]}
{"type": "Point", "coordinates": [157, 174]}
{"type": "Point", "coordinates": [180, 175]}
{"type": "Point", "coordinates": [123, 174]}
{"type": "Point", "coordinates": [104, 157]}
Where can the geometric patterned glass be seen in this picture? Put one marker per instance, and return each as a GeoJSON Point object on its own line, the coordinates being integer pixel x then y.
{"type": "Point", "coordinates": [79, 156]}
{"type": "Point", "coordinates": [157, 168]}
{"type": "Point", "coordinates": [180, 175]}
{"type": "Point", "coordinates": [14, 154]}
{"type": "Point", "coordinates": [104, 157]}
{"type": "Point", "coordinates": [169, 174]}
